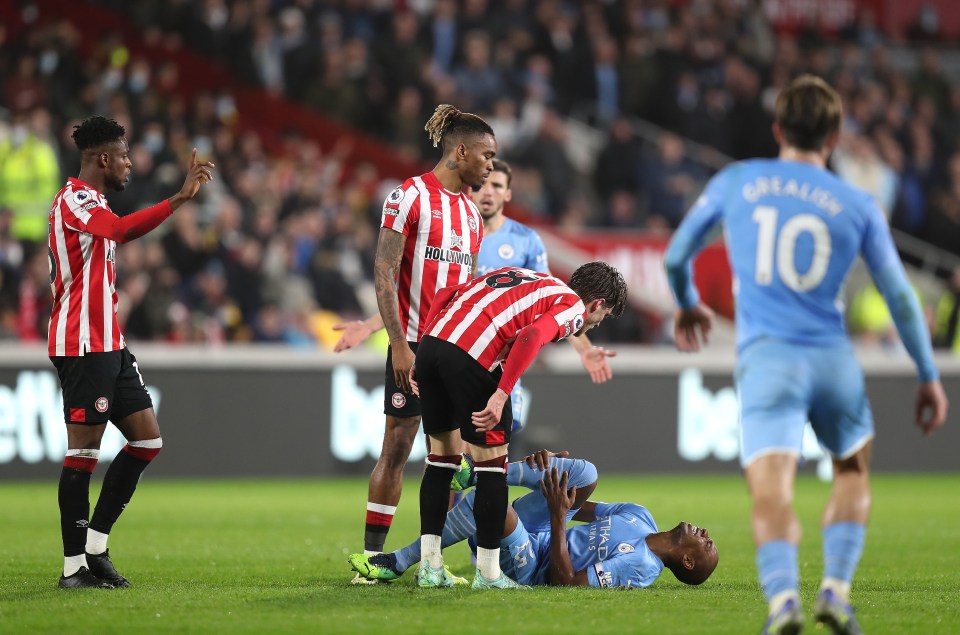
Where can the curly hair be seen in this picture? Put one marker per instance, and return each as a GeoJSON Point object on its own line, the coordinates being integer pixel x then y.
{"type": "Point", "coordinates": [448, 124]}
{"type": "Point", "coordinates": [96, 131]}
{"type": "Point", "coordinates": [599, 281]}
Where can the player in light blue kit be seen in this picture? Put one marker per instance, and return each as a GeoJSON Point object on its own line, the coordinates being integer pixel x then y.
{"type": "Point", "coordinates": [793, 231]}
{"type": "Point", "coordinates": [618, 546]}
{"type": "Point", "coordinates": [506, 243]}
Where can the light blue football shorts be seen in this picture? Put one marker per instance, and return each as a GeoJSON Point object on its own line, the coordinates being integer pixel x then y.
{"type": "Point", "coordinates": [782, 385]}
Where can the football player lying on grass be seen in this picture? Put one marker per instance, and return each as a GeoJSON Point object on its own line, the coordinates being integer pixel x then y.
{"type": "Point", "coordinates": [617, 546]}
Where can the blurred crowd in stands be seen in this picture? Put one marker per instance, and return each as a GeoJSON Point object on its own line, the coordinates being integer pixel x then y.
{"type": "Point", "coordinates": [284, 242]}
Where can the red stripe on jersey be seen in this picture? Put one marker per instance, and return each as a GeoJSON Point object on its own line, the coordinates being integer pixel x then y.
{"type": "Point", "coordinates": [95, 299]}
{"type": "Point", "coordinates": [486, 316]}
{"type": "Point", "coordinates": [442, 230]}
{"type": "Point", "coordinates": [57, 285]}
{"type": "Point", "coordinates": [75, 256]}
{"type": "Point", "coordinates": [83, 318]}
{"type": "Point", "coordinates": [376, 518]}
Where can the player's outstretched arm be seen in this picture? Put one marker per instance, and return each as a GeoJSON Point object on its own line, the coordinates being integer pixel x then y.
{"type": "Point", "coordinates": [560, 501]}
{"type": "Point", "coordinates": [593, 358]}
{"type": "Point", "coordinates": [356, 332]}
{"type": "Point", "coordinates": [105, 224]}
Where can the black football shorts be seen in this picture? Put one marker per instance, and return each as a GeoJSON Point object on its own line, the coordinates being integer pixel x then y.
{"type": "Point", "coordinates": [453, 385]}
{"type": "Point", "coordinates": [98, 387]}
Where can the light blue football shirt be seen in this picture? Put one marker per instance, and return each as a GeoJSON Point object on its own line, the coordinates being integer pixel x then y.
{"type": "Point", "coordinates": [513, 245]}
{"type": "Point", "coordinates": [793, 232]}
{"type": "Point", "coordinates": [613, 548]}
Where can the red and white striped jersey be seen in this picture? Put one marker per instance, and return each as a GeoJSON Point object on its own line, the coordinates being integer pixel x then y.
{"type": "Point", "coordinates": [443, 229]}
{"type": "Point", "coordinates": [83, 275]}
{"type": "Point", "coordinates": [484, 317]}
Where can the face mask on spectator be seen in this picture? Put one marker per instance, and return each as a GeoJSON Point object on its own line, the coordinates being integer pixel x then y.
{"type": "Point", "coordinates": [138, 82]}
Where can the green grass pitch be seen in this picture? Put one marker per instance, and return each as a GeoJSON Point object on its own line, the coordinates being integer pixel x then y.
{"type": "Point", "coordinates": [269, 557]}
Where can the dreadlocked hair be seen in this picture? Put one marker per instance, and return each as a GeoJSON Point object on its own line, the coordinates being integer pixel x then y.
{"type": "Point", "coordinates": [447, 122]}
{"type": "Point", "coordinates": [96, 131]}
{"type": "Point", "coordinates": [599, 281]}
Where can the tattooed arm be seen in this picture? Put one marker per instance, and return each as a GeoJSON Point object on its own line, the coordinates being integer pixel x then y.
{"type": "Point", "coordinates": [475, 267]}
{"type": "Point", "coordinates": [386, 268]}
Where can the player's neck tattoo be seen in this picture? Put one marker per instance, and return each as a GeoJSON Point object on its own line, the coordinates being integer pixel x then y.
{"type": "Point", "coordinates": [450, 164]}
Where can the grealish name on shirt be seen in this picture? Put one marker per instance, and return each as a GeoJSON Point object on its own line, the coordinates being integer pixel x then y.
{"type": "Point", "coordinates": [448, 255]}
{"type": "Point", "coordinates": [763, 186]}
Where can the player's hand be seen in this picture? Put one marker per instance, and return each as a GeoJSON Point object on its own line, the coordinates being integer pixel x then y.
{"type": "Point", "coordinates": [931, 407]}
{"type": "Point", "coordinates": [595, 362]}
{"type": "Point", "coordinates": [198, 173]}
{"type": "Point", "coordinates": [554, 487]}
{"type": "Point", "coordinates": [354, 333]}
{"type": "Point", "coordinates": [414, 388]}
{"type": "Point", "coordinates": [489, 417]}
{"type": "Point", "coordinates": [403, 359]}
{"type": "Point", "coordinates": [541, 458]}
{"type": "Point", "coordinates": [690, 326]}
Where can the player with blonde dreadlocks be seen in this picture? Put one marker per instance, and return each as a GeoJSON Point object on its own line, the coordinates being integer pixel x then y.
{"type": "Point", "coordinates": [429, 239]}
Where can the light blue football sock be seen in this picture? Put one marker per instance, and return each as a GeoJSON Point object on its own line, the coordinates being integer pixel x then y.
{"type": "Point", "coordinates": [580, 473]}
{"type": "Point", "coordinates": [777, 567]}
{"type": "Point", "coordinates": [842, 547]}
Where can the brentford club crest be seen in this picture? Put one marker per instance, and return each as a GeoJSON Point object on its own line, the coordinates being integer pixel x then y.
{"type": "Point", "coordinates": [101, 404]}
{"type": "Point", "coordinates": [399, 400]}
{"type": "Point", "coordinates": [472, 224]}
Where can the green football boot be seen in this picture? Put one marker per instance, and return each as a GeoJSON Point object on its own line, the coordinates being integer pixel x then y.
{"type": "Point", "coordinates": [439, 578]}
{"type": "Point", "coordinates": [378, 567]}
{"type": "Point", "coordinates": [503, 582]}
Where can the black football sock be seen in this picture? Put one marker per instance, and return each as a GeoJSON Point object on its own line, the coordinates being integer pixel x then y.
{"type": "Point", "coordinates": [73, 496]}
{"type": "Point", "coordinates": [435, 492]}
{"type": "Point", "coordinates": [490, 502]}
{"type": "Point", "coordinates": [119, 484]}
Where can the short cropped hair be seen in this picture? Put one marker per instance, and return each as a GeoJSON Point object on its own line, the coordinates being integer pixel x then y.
{"type": "Point", "coordinates": [499, 165]}
{"type": "Point", "coordinates": [96, 131]}
{"type": "Point", "coordinates": [448, 125]}
{"type": "Point", "coordinates": [808, 112]}
{"type": "Point", "coordinates": [599, 281]}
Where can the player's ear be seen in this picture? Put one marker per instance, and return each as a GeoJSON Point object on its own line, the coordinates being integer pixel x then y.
{"type": "Point", "coordinates": [832, 140]}
{"type": "Point", "coordinates": [461, 151]}
{"type": "Point", "coordinates": [102, 159]}
{"type": "Point", "coordinates": [777, 133]}
{"type": "Point", "coordinates": [687, 562]}
{"type": "Point", "coordinates": [507, 195]}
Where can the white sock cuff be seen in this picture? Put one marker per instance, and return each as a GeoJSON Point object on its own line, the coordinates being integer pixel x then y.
{"type": "Point", "coordinates": [449, 466]}
{"type": "Point", "coordinates": [84, 453]}
{"type": "Point", "coordinates": [72, 564]}
{"type": "Point", "coordinates": [96, 542]}
{"type": "Point", "coordinates": [390, 510]}
{"type": "Point", "coordinates": [147, 443]}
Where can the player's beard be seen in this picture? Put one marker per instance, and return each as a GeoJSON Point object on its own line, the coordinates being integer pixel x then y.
{"type": "Point", "coordinates": [118, 185]}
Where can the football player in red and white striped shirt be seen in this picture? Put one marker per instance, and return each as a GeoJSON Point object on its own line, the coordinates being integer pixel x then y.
{"type": "Point", "coordinates": [504, 317]}
{"type": "Point", "coordinates": [99, 377]}
{"type": "Point", "coordinates": [429, 239]}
